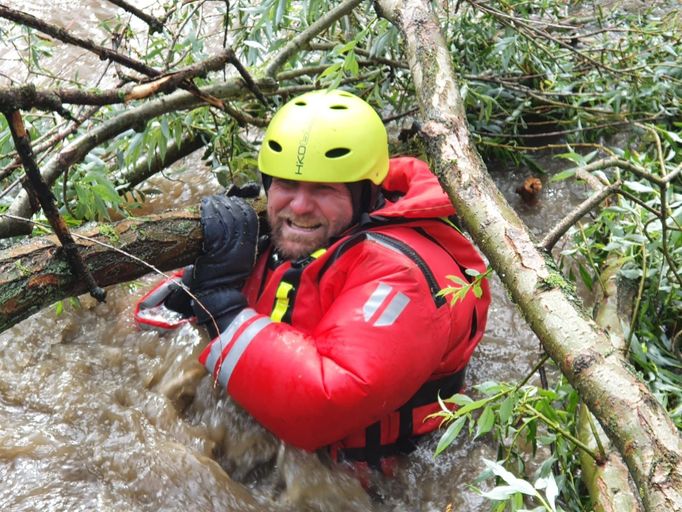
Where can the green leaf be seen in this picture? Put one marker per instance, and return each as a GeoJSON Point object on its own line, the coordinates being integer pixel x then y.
{"type": "Point", "coordinates": [563, 175]}
{"type": "Point", "coordinates": [485, 422]}
{"type": "Point", "coordinates": [450, 434]}
{"type": "Point", "coordinates": [489, 387]}
{"type": "Point", "coordinates": [459, 399]}
{"type": "Point", "coordinates": [639, 187]}
{"type": "Point", "coordinates": [517, 484]}
{"type": "Point", "coordinates": [506, 408]}
{"type": "Point", "coordinates": [499, 493]}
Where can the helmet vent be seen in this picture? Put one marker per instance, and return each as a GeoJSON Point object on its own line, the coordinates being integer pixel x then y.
{"type": "Point", "coordinates": [300, 103]}
{"type": "Point", "coordinates": [339, 107]}
{"type": "Point", "coordinates": [275, 146]}
{"type": "Point", "coordinates": [337, 152]}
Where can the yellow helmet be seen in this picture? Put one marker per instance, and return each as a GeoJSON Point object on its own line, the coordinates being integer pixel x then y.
{"type": "Point", "coordinates": [325, 136]}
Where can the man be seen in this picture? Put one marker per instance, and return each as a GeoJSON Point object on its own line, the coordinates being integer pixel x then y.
{"type": "Point", "coordinates": [337, 337]}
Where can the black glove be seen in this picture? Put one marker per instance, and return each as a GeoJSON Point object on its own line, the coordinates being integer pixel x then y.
{"type": "Point", "coordinates": [230, 229]}
{"type": "Point", "coordinates": [178, 300]}
{"type": "Point", "coordinates": [249, 190]}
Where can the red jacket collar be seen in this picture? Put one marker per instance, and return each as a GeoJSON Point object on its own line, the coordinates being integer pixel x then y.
{"type": "Point", "coordinates": [421, 196]}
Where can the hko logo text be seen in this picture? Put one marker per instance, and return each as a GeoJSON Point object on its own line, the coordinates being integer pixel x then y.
{"type": "Point", "coordinates": [300, 152]}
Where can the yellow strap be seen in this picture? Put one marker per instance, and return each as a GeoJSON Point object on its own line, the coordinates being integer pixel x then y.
{"type": "Point", "coordinates": [282, 303]}
{"type": "Point", "coordinates": [282, 293]}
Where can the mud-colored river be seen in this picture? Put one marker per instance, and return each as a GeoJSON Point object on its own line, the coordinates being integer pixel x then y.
{"type": "Point", "coordinates": [97, 415]}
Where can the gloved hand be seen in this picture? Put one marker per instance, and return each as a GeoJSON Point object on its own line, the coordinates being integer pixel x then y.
{"type": "Point", "coordinates": [178, 300]}
{"type": "Point", "coordinates": [230, 229]}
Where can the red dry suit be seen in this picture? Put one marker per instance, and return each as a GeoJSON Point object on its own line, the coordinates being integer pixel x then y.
{"type": "Point", "coordinates": [350, 347]}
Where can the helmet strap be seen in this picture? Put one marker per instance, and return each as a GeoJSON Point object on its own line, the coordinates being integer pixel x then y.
{"type": "Point", "coordinates": [267, 181]}
{"type": "Point", "coordinates": [363, 198]}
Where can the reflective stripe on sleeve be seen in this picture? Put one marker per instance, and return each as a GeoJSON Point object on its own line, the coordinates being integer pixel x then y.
{"type": "Point", "coordinates": [238, 348]}
{"type": "Point", "coordinates": [223, 340]}
{"type": "Point", "coordinates": [393, 310]}
{"type": "Point", "coordinates": [376, 300]}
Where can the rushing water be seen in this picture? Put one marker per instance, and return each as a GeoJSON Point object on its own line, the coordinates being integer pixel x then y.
{"type": "Point", "coordinates": [97, 415]}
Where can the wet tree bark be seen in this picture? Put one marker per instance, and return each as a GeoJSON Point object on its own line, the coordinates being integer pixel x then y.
{"type": "Point", "coordinates": [37, 274]}
{"type": "Point", "coordinates": [609, 484]}
{"type": "Point", "coordinates": [639, 427]}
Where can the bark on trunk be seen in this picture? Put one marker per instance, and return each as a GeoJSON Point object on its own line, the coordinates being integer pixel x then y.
{"type": "Point", "coordinates": [609, 484]}
{"type": "Point", "coordinates": [633, 419]}
{"type": "Point", "coordinates": [37, 274]}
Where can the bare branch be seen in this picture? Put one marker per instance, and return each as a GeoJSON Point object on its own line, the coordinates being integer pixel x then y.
{"type": "Point", "coordinates": [155, 25]}
{"type": "Point", "coordinates": [23, 145]}
{"type": "Point", "coordinates": [574, 216]}
{"type": "Point", "coordinates": [63, 35]}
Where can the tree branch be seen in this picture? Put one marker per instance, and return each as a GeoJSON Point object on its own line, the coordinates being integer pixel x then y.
{"type": "Point", "coordinates": [574, 216]}
{"type": "Point", "coordinates": [101, 51]}
{"type": "Point", "coordinates": [63, 35]}
{"type": "Point", "coordinates": [28, 96]}
{"type": "Point", "coordinates": [299, 42]}
{"type": "Point", "coordinates": [155, 25]}
{"type": "Point", "coordinates": [23, 145]}
{"type": "Point", "coordinates": [79, 148]}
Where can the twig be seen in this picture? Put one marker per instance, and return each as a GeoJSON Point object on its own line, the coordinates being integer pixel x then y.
{"type": "Point", "coordinates": [325, 47]}
{"type": "Point", "coordinates": [574, 216]}
{"type": "Point", "coordinates": [179, 30]}
{"type": "Point", "coordinates": [400, 115]}
{"type": "Point", "coordinates": [563, 432]}
{"type": "Point", "coordinates": [101, 51]}
{"type": "Point", "coordinates": [64, 36]}
{"type": "Point", "coordinates": [557, 133]}
{"type": "Point", "coordinates": [23, 145]}
{"type": "Point", "coordinates": [248, 80]}
{"type": "Point", "coordinates": [306, 36]}
{"type": "Point", "coordinates": [638, 300]}
{"type": "Point", "coordinates": [155, 25]}
{"type": "Point", "coordinates": [541, 33]}
{"type": "Point", "coordinates": [46, 143]}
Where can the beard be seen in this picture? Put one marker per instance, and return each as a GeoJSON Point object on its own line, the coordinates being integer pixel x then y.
{"type": "Point", "coordinates": [292, 245]}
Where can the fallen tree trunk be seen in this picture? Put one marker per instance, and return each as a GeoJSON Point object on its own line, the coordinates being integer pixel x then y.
{"type": "Point", "coordinates": [36, 274]}
{"type": "Point", "coordinates": [631, 416]}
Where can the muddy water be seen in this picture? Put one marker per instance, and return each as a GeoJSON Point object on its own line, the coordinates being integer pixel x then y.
{"type": "Point", "coordinates": [96, 415]}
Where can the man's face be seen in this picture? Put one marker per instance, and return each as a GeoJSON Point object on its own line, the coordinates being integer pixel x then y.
{"type": "Point", "coordinates": [304, 216]}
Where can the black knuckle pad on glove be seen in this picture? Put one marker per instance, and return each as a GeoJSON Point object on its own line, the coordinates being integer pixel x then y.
{"type": "Point", "coordinates": [230, 228]}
